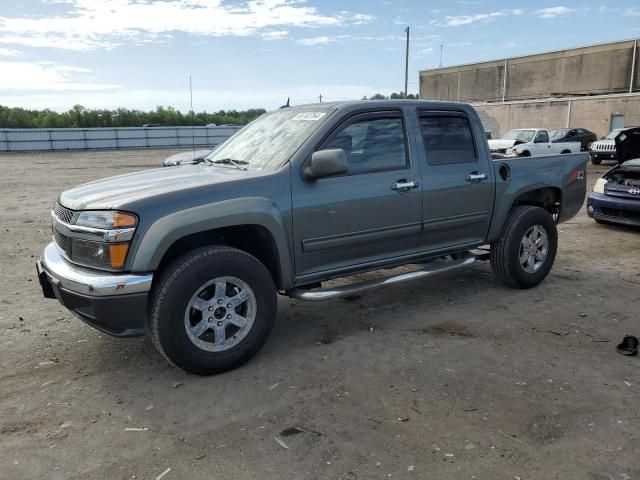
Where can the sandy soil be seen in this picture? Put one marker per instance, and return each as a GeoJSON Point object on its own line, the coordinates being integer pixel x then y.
{"type": "Point", "coordinates": [451, 377]}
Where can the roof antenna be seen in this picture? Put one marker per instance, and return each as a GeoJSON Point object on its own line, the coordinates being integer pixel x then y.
{"type": "Point", "coordinates": [287, 104]}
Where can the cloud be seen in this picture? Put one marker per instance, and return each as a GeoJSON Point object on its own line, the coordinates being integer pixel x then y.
{"type": "Point", "coordinates": [359, 18]}
{"type": "Point", "coordinates": [632, 12]}
{"type": "Point", "coordinates": [423, 52]}
{"type": "Point", "coordinates": [275, 35]}
{"type": "Point", "coordinates": [553, 12]}
{"type": "Point", "coordinates": [313, 41]}
{"type": "Point", "coordinates": [509, 44]}
{"type": "Point", "coordinates": [48, 77]}
{"type": "Point", "coordinates": [86, 25]}
{"type": "Point", "coordinates": [467, 19]}
{"type": "Point", "coordinates": [517, 11]}
{"type": "Point", "coordinates": [7, 52]}
{"type": "Point", "coordinates": [324, 39]}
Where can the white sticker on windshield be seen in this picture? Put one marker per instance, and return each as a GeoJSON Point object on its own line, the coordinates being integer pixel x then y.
{"type": "Point", "coordinates": [310, 116]}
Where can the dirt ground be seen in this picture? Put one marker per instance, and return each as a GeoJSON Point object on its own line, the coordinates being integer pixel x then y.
{"type": "Point", "coordinates": [445, 378]}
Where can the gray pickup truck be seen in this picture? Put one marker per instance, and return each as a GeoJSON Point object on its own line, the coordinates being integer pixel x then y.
{"type": "Point", "coordinates": [195, 255]}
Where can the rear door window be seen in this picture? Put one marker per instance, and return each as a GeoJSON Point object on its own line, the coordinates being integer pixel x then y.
{"type": "Point", "coordinates": [447, 139]}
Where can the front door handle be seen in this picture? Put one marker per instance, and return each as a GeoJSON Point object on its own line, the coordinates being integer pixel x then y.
{"type": "Point", "coordinates": [404, 185]}
{"type": "Point", "coordinates": [476, 177]}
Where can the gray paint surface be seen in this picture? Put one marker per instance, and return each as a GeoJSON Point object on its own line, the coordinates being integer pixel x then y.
{"type": "Point", "coordinates": [326, 228]}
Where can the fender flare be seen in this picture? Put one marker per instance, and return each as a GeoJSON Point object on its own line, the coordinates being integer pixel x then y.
{"type": "Point", "coordinates": [167, 230]}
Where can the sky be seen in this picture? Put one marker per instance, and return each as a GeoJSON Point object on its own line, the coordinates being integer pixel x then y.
{"type": "Point", "coordinates": [248, 54]}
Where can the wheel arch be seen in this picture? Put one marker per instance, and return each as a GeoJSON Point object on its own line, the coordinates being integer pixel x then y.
{"type": "Point", "coordinates": [547, 197]}
{"type": "Point", "coordinates": [252, 225]}
{"type": "Point", "coordinates": [254, 239]}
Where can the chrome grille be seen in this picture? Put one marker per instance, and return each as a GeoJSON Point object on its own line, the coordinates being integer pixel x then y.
{"type": "Point", "coordinates": [63, 213]}
{"type": "Point", "coordinates": [63, 242]}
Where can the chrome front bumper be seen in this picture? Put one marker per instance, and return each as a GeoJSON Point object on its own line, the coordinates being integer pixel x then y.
{"type": "Point", "coordinates": [90, 282]}
{"type": "Point", "coordinates": [113, 303]}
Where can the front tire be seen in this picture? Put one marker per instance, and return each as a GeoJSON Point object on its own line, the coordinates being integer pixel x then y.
{"type": "Point", "coordinates": [212, 310]}
{"type": "Point", "coordinates": [524, 254]}
{"type": "Point", "coordinates": [596, 161]}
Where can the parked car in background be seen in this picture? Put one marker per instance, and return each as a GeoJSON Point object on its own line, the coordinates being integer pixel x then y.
{"type": "Point", "coordinates": [582, 135]}
{"type": "Point", "coordinates": [616, 196]}
{"type": "Point", "coordinates": [605, 149]}
{"type": "Point", "coordinates": [183, 158]}
{"type": "Point", "coordinates": [526, 142]}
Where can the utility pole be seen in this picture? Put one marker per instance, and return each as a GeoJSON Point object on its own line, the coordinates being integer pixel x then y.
{"type": "Point", "coordinates": [320, 97]}
{"type": "Point", "coordinates": [406, 66]}
{"type": "Point", "coordinates": [440, 66]}
{"type": "Point", "coordinates": [193, 133]}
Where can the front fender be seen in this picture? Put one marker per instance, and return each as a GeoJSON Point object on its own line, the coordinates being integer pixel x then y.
{"type": "Point", "coordinates": [165, 231]}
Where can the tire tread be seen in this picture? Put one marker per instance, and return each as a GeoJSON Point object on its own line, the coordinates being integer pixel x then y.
{"type": "Point", "coordinates": [168, 277]}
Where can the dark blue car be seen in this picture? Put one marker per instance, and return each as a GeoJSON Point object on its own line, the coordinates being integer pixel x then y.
{"type": "Point", "coordinates": [616, 196]}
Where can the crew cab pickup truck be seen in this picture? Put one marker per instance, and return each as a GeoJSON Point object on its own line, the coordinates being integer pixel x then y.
{"type": "Point", "coordinates": [525, 142]}
{"type": "Point", "coordinates": [195, 255]}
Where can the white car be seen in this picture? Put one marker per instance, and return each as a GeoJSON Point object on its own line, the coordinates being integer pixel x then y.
{"type": "Point", "coordinates": [185, 158]}
{"type": "Point", "coordinates": [605, 149]}
{"type": "Point", "coordinates": [526, 142]}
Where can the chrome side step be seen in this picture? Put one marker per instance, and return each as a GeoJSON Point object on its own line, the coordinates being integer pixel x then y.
{"type": "Point", "coordinates": [433, 268]}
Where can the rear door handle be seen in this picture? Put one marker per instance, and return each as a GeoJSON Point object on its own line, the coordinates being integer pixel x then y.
{"type": "Point", "coordinates": [404, 185]}
{"type": "Point", "coordinates": [476, 177]}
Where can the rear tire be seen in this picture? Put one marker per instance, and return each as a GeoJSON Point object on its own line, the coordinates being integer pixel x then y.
{"type": "Point", "coordinates": [524, 254]}
{"type": "Point", "coordinates": [212, 309]}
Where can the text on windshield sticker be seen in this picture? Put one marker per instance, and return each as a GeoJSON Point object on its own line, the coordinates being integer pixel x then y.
{"type": "Point", "coordinates": [310, 116]}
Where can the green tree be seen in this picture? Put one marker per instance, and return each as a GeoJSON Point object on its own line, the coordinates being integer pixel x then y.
{"type": "Point", "coordinates": [81, 117]}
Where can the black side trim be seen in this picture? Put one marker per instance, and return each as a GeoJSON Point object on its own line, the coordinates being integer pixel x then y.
{"type": "Point", "coordinates": [358, 238]}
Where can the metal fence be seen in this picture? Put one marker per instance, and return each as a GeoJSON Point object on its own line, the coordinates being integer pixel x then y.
{"type": "Point", "coordinates": [40, 139]}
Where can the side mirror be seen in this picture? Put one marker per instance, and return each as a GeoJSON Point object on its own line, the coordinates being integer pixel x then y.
{"type": "Point", "coordinates": [326, 163]}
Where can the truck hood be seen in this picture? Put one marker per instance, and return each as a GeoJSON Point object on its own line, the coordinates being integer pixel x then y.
{"type": "Point", "coordinates": [114, 192]}
{"type": "Point", "coordinates": [500, 143]}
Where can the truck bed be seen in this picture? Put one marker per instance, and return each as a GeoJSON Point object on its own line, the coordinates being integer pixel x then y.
{"type": "Point", "coordinates": [562, 175]}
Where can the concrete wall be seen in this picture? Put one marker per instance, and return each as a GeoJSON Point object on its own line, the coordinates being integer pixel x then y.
{"type": "Point", "coordinates": [596, 69]}
{"type": "Point", "coordinates": [591, 113]}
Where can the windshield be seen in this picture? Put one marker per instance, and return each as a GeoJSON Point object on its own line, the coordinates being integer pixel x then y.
{"type": "Point", "coordinates": [558, 134]}
{"type": "Point", "coordinates": [521, 135]}
{"type": "Point", "coordinates": [614, 134]}
{"type": "Point", "coordinates": [269, 141]}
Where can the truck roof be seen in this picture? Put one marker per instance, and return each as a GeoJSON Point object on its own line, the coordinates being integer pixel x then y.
{"type": "Point", "coordinates": [383, 104]}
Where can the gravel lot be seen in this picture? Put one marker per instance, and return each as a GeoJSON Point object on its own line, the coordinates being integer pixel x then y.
{"type": "Point", "coordinates": [451, 377]}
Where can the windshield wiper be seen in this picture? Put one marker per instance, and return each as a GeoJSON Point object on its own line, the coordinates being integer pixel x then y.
{"type": "Point", "coordinates": [230, 161]}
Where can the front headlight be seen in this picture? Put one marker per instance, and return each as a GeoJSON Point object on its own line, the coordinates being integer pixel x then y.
{"type": "Point", "coordinates": [105, 256]}
{"type": "Point", "coordinates": [599, 186]}
{"type": "Point", "coordinates": [107, 219]}
{"type": "Point", "coordinates": [99, 238]}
